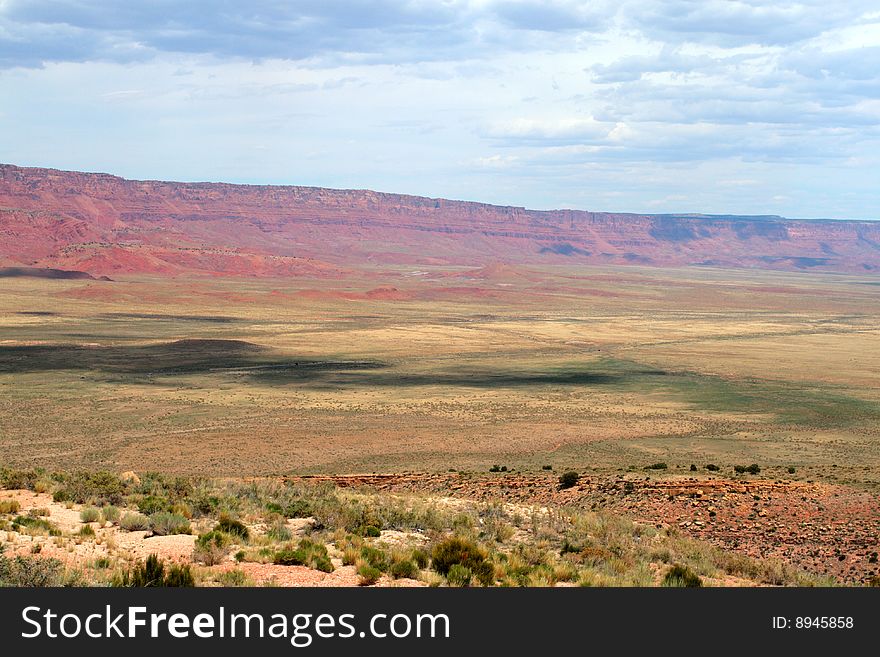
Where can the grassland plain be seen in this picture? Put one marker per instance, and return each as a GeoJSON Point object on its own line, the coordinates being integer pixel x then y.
{"type": "Point", "coordinates": [598, 370]}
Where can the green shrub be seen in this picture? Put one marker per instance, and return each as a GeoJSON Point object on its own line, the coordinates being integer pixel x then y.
{"type": "Point", "coordinates": [153, 504]}
{"type": "Point", "coordinates": [546, 467]}
{"type": "Point", "coordinates": [211, 548]}
{"type": "Point", "coordinates": [681, 576]}
{"type": "Point", "coordinates": [31, 571]}
{"type": "Point", "coordinates": [693, 468]}
{"type": "Point", "coordinates": [404, 569]}
{"type": "Point", "coordinates": [711, 467]}
{"type": "Point", "coordinates": [568, 479]}
{"type": "Point", "coordinates": [90, 514]}
{"type": "Point", "coordinates": [751, 469]}
{"type": "Point", "coordinates": [656, 466]}
{"type": "Point", "coordinates": [376, 557]}
{"type": "Point", "coordinates": [166, 524]}
{"type": "Point", "coordinates": [459, 575]}
{"type": "Point", "coordinates": [371, 531]}
{"type": "Point", "coordinates": [464, 552]}
{"type": "Point", "coordinates": [307, 553]}
{"type": "Point", "coordinates": [152, 573]}
{"type": "Point", "coordinates": [179, 575]}
{"type": "Point", "coordinates": [298, 509]}
{"type": "Point", "coordinates": [18, 479]}
{"type": "Point", "coordinates": [420, 558]}
{"type": "Point", "coordinates": [368, 574]}
{"type": "Point", "coordinates": [9, 506]}
{"type": "Point", "coordinates": [234, 577]}
{"type": "Point", "coordinates": [86, 530]}
{"type": "Point", "coordinates": [36, 524]}
{"type": "Point", "coordinates": [134, 522]}
{"type": "Point", "coordinates": [792, 469]}
{"type": "Point", "coordinates": [91, 487]}
{"type": "Point", "coordinates": [110, 513]}
{"type": "Point", "coordinates": [232, 527]}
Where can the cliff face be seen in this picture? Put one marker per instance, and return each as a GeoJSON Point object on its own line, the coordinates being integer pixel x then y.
{"type": "Point", "coordinates": [104, 225]}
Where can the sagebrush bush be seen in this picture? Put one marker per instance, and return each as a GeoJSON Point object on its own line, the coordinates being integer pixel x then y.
{"type": "Point", "coordinates": [134, 522]}
{"type": "Point", "coordinates": [110, 513]}
{"type": "Point", "coordinates": [568, 479]}
{"type": "Point", "coordinates": [166, 524]}
{"type": "Point", "coordinates": [90, 514]}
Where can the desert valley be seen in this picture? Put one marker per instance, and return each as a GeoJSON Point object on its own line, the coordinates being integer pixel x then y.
{"type": "Point", "coordinates": [298, 385]}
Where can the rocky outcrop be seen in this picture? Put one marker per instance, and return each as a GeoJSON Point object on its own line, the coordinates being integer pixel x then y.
{"type": "Point", "coordinates": [104, 225]}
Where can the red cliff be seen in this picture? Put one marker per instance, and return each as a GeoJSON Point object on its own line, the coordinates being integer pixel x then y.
{"type": "Point", "coordinates": [103, 224]}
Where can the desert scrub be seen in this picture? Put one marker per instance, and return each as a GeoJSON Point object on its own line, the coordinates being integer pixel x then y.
{"type": "Point", "coordinates": [234, 577]}
{"type": "Point", "coordinates": [110, 513]}
{"type": "Point", "coordinates": [12, 479]}
{"type": "Point", "coordinates": [152, 573]}
{"type": "Point", "coordinates": [459, 575]}
{"type": "Point", "coordinates": [166, 524]}
{"type": "Point", "coordinates": [279, 532]}
{"type": "Point", "coordinates": [568, 479]}
{"type": "Point", "coordinates": [681, 576]}
{"type": "Point", "coordinates": [212, 548]}
{"type": "Point", "coordinates": [90, 487]}
{"type": "Point", "coordinates": [86, 531]}
{"type": "Point", "coordinates": [31, 571]}
{"type": "Point", "coordinates": [463, 552]}
{"type": "Point", "coordinates": [153, 504]}
{"type": "Point", "coordinates": [9, 506]}
{"type": "Point", "coordinates": [404, 569]}
{"type": "Point", "coordinates": [34, 525]}
{"type": "Point", "coordinates": [367, 574]}
{"type": "Point", "coordinates": [376, 557]}
{"type": "Point", "coordinates": [233, 527]}
{"type": "Point", "coordinates": [134, 522]}
{"type": "Point", "coordinates": [306, 553]}
{"type": "Point", "coordinates": [90, 514]}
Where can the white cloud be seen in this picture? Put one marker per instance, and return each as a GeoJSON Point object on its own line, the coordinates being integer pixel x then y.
{"type": "Point", "coordinates": [673, 105]}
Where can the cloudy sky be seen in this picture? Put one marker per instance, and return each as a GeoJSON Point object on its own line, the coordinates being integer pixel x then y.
{"type": "Point", "coordinates": [721, 106]}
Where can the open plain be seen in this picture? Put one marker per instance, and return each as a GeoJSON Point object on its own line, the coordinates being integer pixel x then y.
{"type": "Point", "coordinates": [433, 375]}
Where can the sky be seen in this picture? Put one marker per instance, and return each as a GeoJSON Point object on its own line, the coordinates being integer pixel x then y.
{"type": "Point", "coordinates": [715, 106]}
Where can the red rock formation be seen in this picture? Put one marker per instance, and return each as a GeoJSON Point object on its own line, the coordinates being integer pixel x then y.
{"type": "Point", "coordinates": [107, 225]}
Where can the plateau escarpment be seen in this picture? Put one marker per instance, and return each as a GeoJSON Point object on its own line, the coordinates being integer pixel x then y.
{"type": "Point", "coordinates": [103, 224]}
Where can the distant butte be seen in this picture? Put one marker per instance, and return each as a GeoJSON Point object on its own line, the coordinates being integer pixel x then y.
{"type": "Point", "coordinates": [106, 225]}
